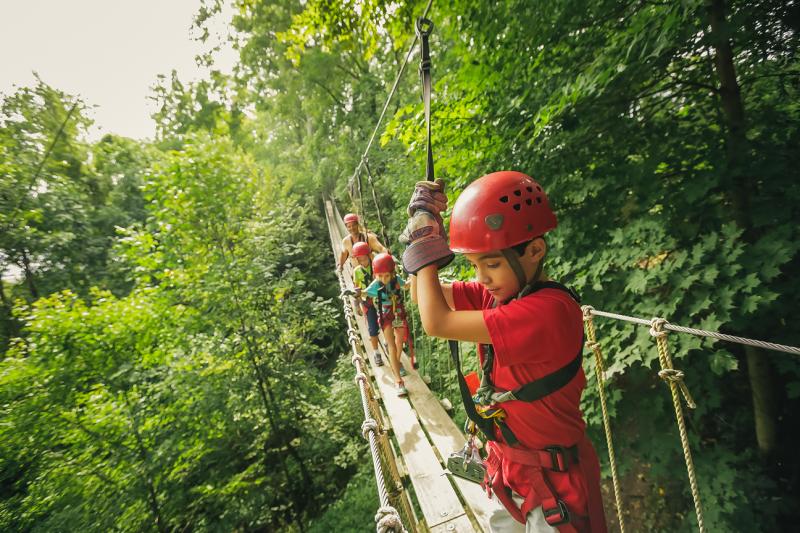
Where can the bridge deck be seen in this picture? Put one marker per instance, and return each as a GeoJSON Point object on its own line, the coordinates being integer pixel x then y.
{"type": "Point", "coordinates": [426, 436]}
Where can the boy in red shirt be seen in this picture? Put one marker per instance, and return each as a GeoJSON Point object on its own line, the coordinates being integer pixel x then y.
{"type": "Point", "coordinates": [540, 464]}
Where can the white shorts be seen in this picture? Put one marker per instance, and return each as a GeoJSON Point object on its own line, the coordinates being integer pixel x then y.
{"type": "Point", "coordinates": [501, 521]}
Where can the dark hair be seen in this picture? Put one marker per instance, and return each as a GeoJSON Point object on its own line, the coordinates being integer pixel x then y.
{"type": "Point", "coordinates": [520, 248]}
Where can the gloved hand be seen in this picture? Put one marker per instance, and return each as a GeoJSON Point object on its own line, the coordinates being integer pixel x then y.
{"type": "Point", "coordinates": [424, 234]}
{"type": "Point", "coordinates": [430, 196]}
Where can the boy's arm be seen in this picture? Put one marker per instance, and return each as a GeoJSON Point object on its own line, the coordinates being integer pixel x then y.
{"type": "Point", "coordinates": [447, 290]}
{"type": "Point", "coordinates": [438, 317]}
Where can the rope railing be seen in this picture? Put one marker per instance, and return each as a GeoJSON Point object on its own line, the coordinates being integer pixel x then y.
{"type": "Point", "coordinates": [387, 518]}
{"type": "Point", "coordinates": [395, 512]}
{"type": "Point", "coordinates": [674, 378]}
{"type": "Point", "coordinates": [701, 332]}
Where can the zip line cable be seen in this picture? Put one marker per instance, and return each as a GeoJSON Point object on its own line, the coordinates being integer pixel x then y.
{"type": "Point", "coordinates": [389, 98]}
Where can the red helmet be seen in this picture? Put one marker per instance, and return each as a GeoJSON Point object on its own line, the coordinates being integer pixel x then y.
{"type": "Point", "coordinates": [361, 249]}
{"type": "Point", "coordinates": [498, 211]}
{"type": "Point", "coordinates": [383, 264]}
{"type": "Point", "coordinates": [350, 217]}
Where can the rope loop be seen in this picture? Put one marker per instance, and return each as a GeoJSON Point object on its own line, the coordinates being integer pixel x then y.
{"type": "Point", "coordinates": [360, 377]}
{"type": "Point", "coordinates": [657, 327]}
{"type": "Point", "coordinates": [368, 425]}
{"type": "Point", "coordinates": [388, 520]}
{"type": "Point", "coordinates": [424, 27]}
{"type": "Point", "coordinates": [356, 360]}
{"type": "Point", "coordinates": [587, 312]}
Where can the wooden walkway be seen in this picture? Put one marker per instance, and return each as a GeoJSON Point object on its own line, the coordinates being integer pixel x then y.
{"type": "Point", "coordinates": [426, 436]}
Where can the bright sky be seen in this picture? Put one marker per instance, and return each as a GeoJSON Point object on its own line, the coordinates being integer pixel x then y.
{"type": "Point", "coordinates": [107, 51]}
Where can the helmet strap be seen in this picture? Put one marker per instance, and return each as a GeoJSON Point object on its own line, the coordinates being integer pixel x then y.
{"type": "Point", "coordinates": [513, 260]}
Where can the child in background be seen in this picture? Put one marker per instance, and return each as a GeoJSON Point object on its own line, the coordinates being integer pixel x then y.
{"type": "Point", "coordinates": [541, 466]}
{"type": "Point", "coordinates": [362, 275]}
{"type": "Point", "coordinates": [386, 289]}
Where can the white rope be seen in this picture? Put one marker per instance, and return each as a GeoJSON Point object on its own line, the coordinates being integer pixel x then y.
{"type": "Point", "coordinates": [387, 520]}
{"type": "Point", "coordinates": [368, 426]}
{"type": "Point", "coordinates": [703, 333]}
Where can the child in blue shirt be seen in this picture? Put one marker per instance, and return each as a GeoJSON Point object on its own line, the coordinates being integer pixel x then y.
{"type": "Point", "coordinates": [387, 293]}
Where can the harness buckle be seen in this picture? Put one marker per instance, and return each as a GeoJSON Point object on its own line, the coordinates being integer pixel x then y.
{"type": "Point", "coordinates": [558, 515]}
{"type": "Point", "coordinates": [559, 458]}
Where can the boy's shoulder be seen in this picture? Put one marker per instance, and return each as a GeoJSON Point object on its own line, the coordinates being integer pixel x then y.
{"type": "Point", "coordinates": [547, 306]}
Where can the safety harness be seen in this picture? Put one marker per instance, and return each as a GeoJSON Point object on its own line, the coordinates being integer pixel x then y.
{"type": "Point", "coordinates": [485, 412]}
{"type": "Point", "coordinates": [398, 308]}
{"type": "Point", "coordinates": [353, 243]}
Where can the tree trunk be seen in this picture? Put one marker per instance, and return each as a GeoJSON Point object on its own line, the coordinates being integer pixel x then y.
{"type": "Point", "coordinates": [739, 186]}
{"type": "Point", "coordinates": [760, 371]}
{"type": "Point", "coordinates": [152, 494]}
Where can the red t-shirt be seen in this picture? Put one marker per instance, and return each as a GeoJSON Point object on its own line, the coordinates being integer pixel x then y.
{"type": "Point", "coordinates": [532, 337]}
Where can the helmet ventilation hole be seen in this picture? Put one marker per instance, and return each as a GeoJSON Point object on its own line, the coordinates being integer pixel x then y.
{"type": "Point", "coordinates": [538, 199]}
{"type": "Point", "coordinates": [528, 201]}
{"type": "Point", "coordinates": [504, 199]}
{"type": "Point", "coordinates": [517, 192]}
{"type": "Point", "coordinates": [516, 207]}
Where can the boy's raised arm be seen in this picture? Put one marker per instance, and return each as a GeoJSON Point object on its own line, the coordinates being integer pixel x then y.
{"type": "Point", "coordinates": [438, 317]}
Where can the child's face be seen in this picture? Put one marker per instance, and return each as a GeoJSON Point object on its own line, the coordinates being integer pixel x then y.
{"type": "Point", "coordinates": [363, 260]}
{"type": "Point", "coordinates": [384, 277]}
{"type": "Point", "coordinates": [493, 272]}
{"type": "Point", "coordinates": [352, 227]}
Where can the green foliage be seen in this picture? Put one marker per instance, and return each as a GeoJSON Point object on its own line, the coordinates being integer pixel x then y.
{"type": "Point", "coordinates": [198, 399]}
{"type": "Point", "coordinates": [669, 204]}
{"type": "Point", "coordinates": [178, 345]}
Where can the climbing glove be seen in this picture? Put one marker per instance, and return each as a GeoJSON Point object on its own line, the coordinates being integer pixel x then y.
{"type": "Point", "coordinates": [424, 235]}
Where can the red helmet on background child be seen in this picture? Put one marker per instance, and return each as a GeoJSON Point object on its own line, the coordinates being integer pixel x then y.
{"type": "Point", "coordinates": [350, 217]}
{"type": "Point", "coordinates": [361, 249]}
{"type": "Point", "coordinates": [498, 211]}
{"type": "Point", "coordinates": [383, 264]}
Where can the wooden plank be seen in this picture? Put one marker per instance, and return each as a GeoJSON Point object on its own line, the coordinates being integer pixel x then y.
{"type": "Point", "coordinates": [447, 438]}
{"type": "Point", "coordinates": [459, 524]}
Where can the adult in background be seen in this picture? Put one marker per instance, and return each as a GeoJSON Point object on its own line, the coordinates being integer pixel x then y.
{"type": "Point", "coordinates": [356, 234]}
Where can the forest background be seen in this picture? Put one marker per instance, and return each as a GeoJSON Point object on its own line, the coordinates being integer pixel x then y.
{"type": "Point", "coordinates": [173, 356]}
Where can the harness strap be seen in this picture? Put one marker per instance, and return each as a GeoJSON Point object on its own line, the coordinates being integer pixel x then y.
{"type": "Point", "coordinates": [554, 509]}
{"type": "Point", "coordinates": [424, 30]}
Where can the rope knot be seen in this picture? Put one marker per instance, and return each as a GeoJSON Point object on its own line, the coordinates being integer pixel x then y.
{"type": "Point", "coordinates": [368, 425]}
{"type": "Point", "coordinates": [388, 519]}
{"type": "Point", "coordinates": [657, 327]}
{"type": "Point", "coordinates": [357, 360]}
{"type": "Point", "coordinates": [673, 375]}
{"type": "Point", "coordinates": [587, 312]}
{"type": "Point", "coordinates": [592, 345]}
{"type": "Point", "coordinates": [360, 377]}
